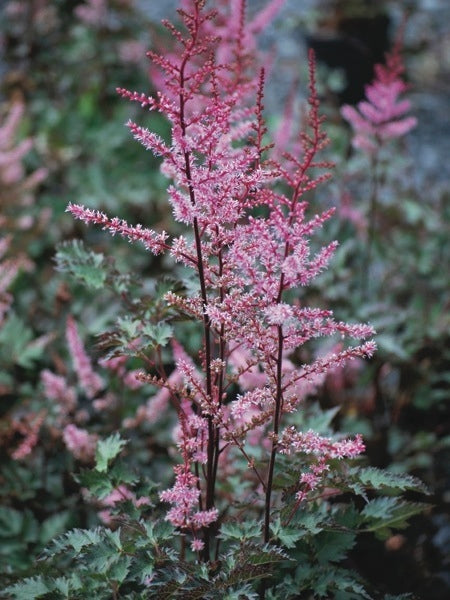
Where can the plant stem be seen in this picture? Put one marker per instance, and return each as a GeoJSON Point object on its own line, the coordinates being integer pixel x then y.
{"type": "Point", "coordinates": [210, 483]}
{"type": "Point", "coordinates": [372, 225]}
{"type": "Point", "coordinates": [276, 425]}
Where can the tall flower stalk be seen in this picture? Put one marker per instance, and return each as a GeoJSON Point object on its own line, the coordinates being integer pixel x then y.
{"type": "Point", "coordinates": [378, 119]}
{"type": "Point", "coordinates": [247, 241]}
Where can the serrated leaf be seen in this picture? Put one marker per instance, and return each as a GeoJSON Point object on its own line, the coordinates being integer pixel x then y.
{"type": "Point", "coordinates": [120, 569]}
{"type": "Point", "coordinates": [107, 450]}
{"type": "Point", "coordinates": [158, 531]}
{"type": "Point", "coordinates": [86, 266]}
{"type": "Point", "coordinates": [240, 531]}
{"type": "Point", "coordinates": [333, 546]}
{"type": "Point", "coordinates": [379, 508]}
{"type": "Point", "coordinates": [16, 343]}
{"type": "Point", "coordinates": [129, 327]}
{"type": "Point", "coordinates": [157, 334]}
{"type": "Point", "coordinates": [391, 516]}
{"type": "Point", "coordinates": [309, 523]}
{"type": "Point", "coordinates": [101, 557]}
{"type": "Point", "coordinates": [28, 589]}
{"type": "Point", "coordinates": [62, 585]}
{"type": "Point", "coordinates": [114, 538]}
{"type": "Point", "coordinates": [287, 536]}
{"type": "Point", "coordinates": [238, 593]}
{"type": "Point", "coordinates": [379, 479]}
{"type": "Point", "coordinates": [53, 526]}
{"type": "Point", "coordinates": [76, 539]}
{"type": "Point", "coordinates": [98, 483]}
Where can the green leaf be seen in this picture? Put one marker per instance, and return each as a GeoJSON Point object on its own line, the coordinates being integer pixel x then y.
{"type": "Point", "coordinates": [98, 483]}
{"type": "Point", "coordinates": [53, 526]}
{"type": "Point", "coordinates": [244, 530]}
{"type": "Point", "coordinates": [129, 327]}
{"type": "Point", "coordinates": [16, 525]}
{"type": "Point", "coordinates": [86, 266]}
{"type": "Point", "coordinates": [62, 585]}
{"type": "Point", "coordinates": [333, 546]}
{"type": "Point", "coordinates": [28, 589]}
{"type": "Point", "coordinates": [308, 523]}
{"type": "Point", "coordinates": [382, 514]}
{"type": "Point", "coordinates": [158, 334]}
{"type": "Point", "coordinates": [114, 538]}
{"type": "Point", "coordinates": [16, 343]}
{"type": "Point", "coordinates": [379, 508]}
{"type": "Point", "coordinates": [158, 531]}
{"type": "Point", "coordinates": [120, 569]}
{"type": "Point", "coordinates": [76, 539]}
{"type": "Point", "coordinates": [238, 593]}
{"type": "Point", "coordinates": [379, 479]}
{"type": "Point", "coordinates": [107, 450]}
{"type": "Point", "coordinates": [287, 536]}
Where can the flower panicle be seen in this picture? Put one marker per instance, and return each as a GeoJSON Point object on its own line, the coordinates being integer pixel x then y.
{"type": "Point", "coordinates": [382, 116]}
{"type": "Point", "coordinates": [155, 242]}
{"type": "Point", "coordinates": [90, 381]}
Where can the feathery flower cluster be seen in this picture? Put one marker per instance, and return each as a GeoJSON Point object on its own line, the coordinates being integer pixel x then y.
{"type": "Point", "coordinates": [8, 272]}
{"type": "Point", "coordinates": [184, 495]}
{"type": "Point", "coordinates": [382, 115]}
{"type": "Point", "coordinates": [323, 450]}
{"type": "Point", "coordinates": [120, 494]}
{"type": "Point", "coordinates": [152, 241]}
{"type": "Point", "coordinates": [90, 381]}
{"type": "Point", "coordinates": [57, 389]}
{"type": "Point", "coordinates": [16, 189]}
{"type": "Point", "coordinates": [65, 415]}
{"type": "Point", "coordinates": [28, 426]}
{"type": "Point", "coordinates": [80, 442]}
{"type": "Point", "coordinates": [13, 179]}
{"type": "Point", "coordinates": [249, 245]}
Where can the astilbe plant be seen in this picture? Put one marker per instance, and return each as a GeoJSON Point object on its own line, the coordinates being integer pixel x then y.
{"type": "Point", "coordinates": [242, 431]}
{"type": "Point", "coordinates": [382, 115]}
{"type": "Point", "coordinates": [249, 248]}
{"type": "Point", "coordinates": [378, 120]}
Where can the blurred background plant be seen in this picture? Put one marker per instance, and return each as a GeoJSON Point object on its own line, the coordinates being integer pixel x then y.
{"type": "Point", "coordinates": [61, 140]}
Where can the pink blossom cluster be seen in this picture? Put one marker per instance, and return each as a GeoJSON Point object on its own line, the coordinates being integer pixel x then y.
{"type": "Point", "coordinates": [322, 449]}
{"type": "Point", "coordinates": [184, 495]}
{"type": "Point", "coordinates": [80, 442]}
{"type": "Point", "coordinates": [66, 415]}
{"type": "Point", "coordinates": [57, 389]}
{"type": "Point", "coordinates": [12, 171]}
{"type": "Point", "coordinates": [90, 381]}
{"type": "Point", "coordinates": [120, 494]}
{"type": "Point", "coordinates": [118, 366]}
{"type": "Point", "coordinates": [381, 116]}
{"type": "Point", "coordinates": [28, 426]}
{"type": "Point", "coordinates": [249, 245]}
{"type": "Point", "coordinates": [9, 269]}
{"type": "Point", "coordinates": [151, 240]}
{"type": "Point", "coordinates": [8, 272]}
{"type": "Point", "coordinates": [15, 190]}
